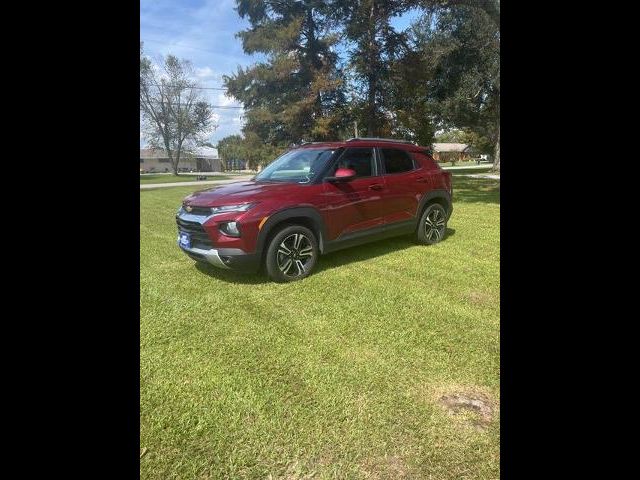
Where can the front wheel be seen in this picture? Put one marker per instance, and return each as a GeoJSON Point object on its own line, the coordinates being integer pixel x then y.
{"type": "Point", "coordinates": [432, 225]}
{"type": "Point", "coordinates": [292, 254]}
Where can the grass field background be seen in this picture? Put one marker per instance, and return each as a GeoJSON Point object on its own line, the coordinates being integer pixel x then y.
{"type": "Point", "coordinates": [337, 376]}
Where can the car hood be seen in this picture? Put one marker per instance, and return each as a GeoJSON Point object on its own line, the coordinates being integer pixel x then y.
{"type": "Point", "coordinates": [239, 192]}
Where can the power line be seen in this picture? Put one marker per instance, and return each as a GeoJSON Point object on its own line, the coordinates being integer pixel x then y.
{"type": "Point", "coordinates": [194, 88]}
{"type": "Point", "coordinates": [229, 107]}
{"type": "Point", "coordinates": [174, 104]}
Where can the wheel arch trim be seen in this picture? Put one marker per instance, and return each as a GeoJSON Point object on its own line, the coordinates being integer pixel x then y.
{"type": "Point", "coordinates": [277, 218]}
{"type": "Point", "coordinates": [439, 194]}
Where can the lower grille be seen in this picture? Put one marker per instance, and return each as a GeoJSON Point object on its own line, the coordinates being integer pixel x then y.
{"type": "Point", "coordinates": [199, 237]}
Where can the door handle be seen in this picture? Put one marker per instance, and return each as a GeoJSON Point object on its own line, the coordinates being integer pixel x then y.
{"type": "Point", "coordinates": [422, 179]}
{"type": "Point", "coordinates": [375, 186]}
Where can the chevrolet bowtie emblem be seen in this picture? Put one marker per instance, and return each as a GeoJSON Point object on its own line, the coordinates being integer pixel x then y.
{"type": "Point", "coordinates": [188, 208]}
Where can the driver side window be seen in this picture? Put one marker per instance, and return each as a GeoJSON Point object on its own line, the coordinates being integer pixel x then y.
{"type": "Point", "coordinates": [359, 159]}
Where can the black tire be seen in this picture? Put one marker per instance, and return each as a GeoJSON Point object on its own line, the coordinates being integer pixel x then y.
{"type": "Point", "coordinates": [292, 254]}
{"type": "Point", "coordinates": [432, 225]}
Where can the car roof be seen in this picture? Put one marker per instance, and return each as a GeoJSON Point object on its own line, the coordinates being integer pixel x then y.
{"type": "Point", "coordinates": [366, 142]}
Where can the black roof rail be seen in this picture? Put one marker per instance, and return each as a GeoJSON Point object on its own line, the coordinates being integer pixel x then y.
{"type": "Point", "coordinates": [378, 139]}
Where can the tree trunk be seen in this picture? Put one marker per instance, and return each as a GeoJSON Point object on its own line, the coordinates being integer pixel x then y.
{"type": "Point", "coordinates": [372, 74]}
{"type": "Point", "coordinates": [316, 62]}
{"type": "Point", "coordinates": [496, 159]}
{"type": "Point", "coordinates": [174, 164]}
{"type": "Point", "coordinates": [371, 120]}
{"type": "Point", "coordinates": [177, 158]}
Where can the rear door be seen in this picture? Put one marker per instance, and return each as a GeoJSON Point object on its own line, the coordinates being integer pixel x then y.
{"type": "Point", "coordinates": [356, 205]}
{"type": "Point", "coordinates": [405, 181]}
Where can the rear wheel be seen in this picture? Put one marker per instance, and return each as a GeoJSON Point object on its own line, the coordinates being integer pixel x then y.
{"type": "Point", "coordinates": [291, 254]}
{"type": "Point", "coordinates": [432, 225]}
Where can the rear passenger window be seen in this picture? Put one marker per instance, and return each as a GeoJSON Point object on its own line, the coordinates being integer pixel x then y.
{"type": "Point", "coordinates": [425, 160]}
{"type": "Point", "coordinates": [396, 161]}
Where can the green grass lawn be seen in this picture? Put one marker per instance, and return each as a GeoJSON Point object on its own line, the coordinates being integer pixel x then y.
{"type": "Point", "coordinates": [183, 177]}
{"type": "Point", "coordinates": [336, 376]}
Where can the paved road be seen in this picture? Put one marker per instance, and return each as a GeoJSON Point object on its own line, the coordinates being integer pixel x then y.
{"type": "Point", "coordinates": [480, 175]}
{"type": "Point", "coordinates": [211, 174]}
{"type": "Point", "coordinates": [188, 184]}
{"type": "Point", "coordinates": [482, 165]}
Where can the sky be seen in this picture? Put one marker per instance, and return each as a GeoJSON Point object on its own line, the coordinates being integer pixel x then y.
{"type": "Point", "coordinates": [203, 31]}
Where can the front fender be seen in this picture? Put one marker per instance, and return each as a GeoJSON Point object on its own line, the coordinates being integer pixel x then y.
{"type": "Point", "coordinates": [308, 213]}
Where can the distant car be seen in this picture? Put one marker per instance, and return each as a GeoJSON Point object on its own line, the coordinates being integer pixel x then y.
{"type": "Point", "coordinates": [315, 199]}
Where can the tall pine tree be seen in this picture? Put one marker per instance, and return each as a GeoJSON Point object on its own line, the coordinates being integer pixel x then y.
{"type": "Point", "coordinates": [374, 46]}
{"type": "Point", "coordinates": [296, 94]}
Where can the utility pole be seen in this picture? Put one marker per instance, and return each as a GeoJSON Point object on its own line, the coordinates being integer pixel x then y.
{"type": "Point", "coordinates": [355, 124]}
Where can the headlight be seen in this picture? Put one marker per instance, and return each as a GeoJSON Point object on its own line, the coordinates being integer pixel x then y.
{"type": "Point", "coordinates": [230, 229]}
{"type": "Point", "coordinates": [232, 208]}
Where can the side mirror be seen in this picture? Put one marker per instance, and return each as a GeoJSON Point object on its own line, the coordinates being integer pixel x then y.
{"type": "Point", "coordinates": [342, 175]}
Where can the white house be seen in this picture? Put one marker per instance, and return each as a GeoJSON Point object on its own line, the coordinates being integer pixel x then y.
{"type": "Point", "coordinates": [201, 159]}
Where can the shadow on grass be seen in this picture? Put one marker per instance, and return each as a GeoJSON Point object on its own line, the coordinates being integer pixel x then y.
{"type": "Point", "coordinates": [325, 262]}
{"type": "Point", "coordinates": [370, 250]}
{"type": "Point", "coordinates": [231, 276]}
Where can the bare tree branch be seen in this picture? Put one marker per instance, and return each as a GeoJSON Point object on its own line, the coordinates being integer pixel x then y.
{"type": "Point", "coordinates": [174, 112]}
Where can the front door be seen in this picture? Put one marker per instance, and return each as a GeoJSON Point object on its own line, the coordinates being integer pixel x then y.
{"type": "Point", "coordinates": [356, 205]}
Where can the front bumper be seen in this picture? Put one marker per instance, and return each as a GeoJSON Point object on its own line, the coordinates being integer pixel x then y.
{"type": "Point", "coordinates": [226, 258]}
{"type": "Point", "coordinates": [211, 256]}
{"type": "Point", "coordinates": [206, 251]}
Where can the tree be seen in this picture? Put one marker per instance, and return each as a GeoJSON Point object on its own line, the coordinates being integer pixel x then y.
{"type": "Point", "coordinates": [231, 150]}
{"type": "Point", "coordinates": [459, 42]}
{"type": "Point", "coordinates": [408, 93]}
{"type": "Point", "coordinates": [443, 73]}
{"type": "Point", "coordinates": [174, 115]}
{"type": "Point", "coordinates": [375, 46]}
{"type": "Point", "coordinates": [294, 95]}
{"type": "Point", "coordinates": [249, 149]}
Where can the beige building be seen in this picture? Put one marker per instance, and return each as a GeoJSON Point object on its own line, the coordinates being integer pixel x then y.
{"type": "Point", "coordinates": [451, 152]}
{"type": "Point", "coordinates": [203, 159]}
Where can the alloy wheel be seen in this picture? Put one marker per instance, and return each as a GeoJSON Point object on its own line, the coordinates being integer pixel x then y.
{"type": "Point", "coordinates": [435, 225]}
{"type": "Point", "coordinates": [294, 254]}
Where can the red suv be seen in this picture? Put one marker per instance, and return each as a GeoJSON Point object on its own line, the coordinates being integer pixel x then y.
{"type": "Point", "coordinates": [315, 199]}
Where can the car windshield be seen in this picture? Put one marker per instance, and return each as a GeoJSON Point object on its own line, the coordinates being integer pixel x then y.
{"type": "Point", "coordinates": [301, 166]}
